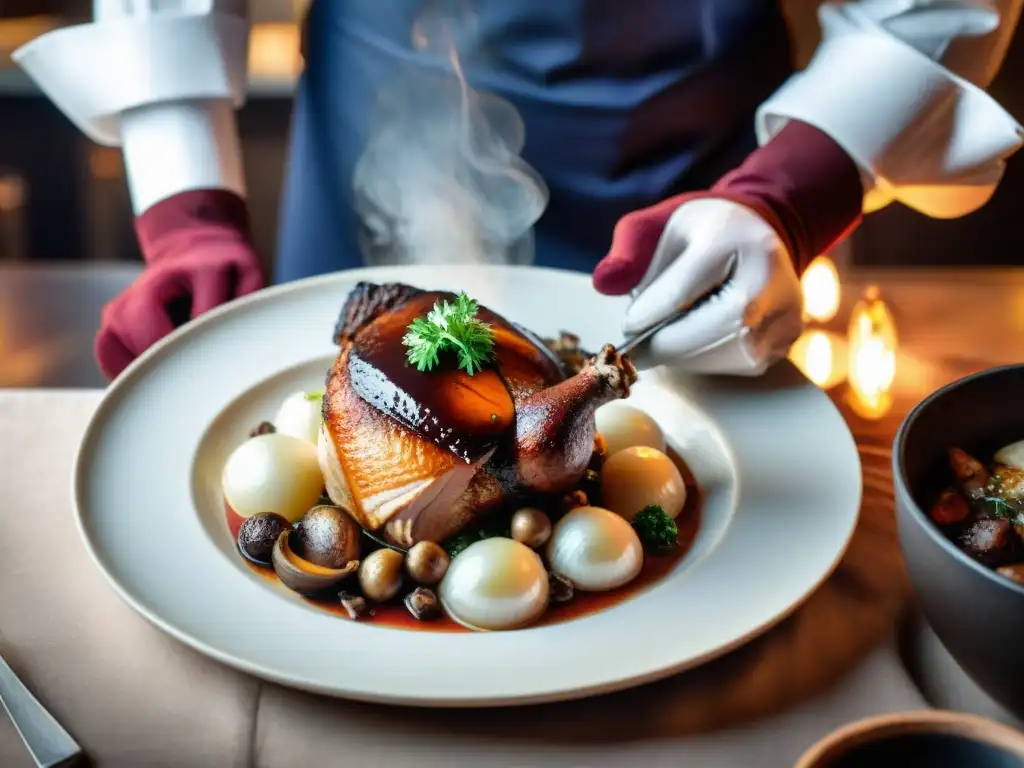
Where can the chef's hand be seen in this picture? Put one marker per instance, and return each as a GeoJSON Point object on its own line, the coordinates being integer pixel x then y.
{"type": "Point", "coordinates": [748, 236]}
{"type": "Point", "coordinates": [199, 255]}
{"type": "Point", "coordinates": [748, 324]}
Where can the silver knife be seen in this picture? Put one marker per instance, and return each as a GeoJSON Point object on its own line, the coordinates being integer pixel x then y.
{"type": "Point", "coordinates": [47, 741]}
{"type": "Point", "coordinates": [634, 341]}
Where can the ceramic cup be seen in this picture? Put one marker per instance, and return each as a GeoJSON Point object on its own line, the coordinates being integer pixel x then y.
{"type": "Point", "coordinates": [932, 738]}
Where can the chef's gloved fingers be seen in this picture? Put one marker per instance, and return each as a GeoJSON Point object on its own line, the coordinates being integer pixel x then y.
{"type": "Point", "coordinates": [250, 278]}
{"type": "Point", "coordinates": [112, 355]}
{"type": "Point", "coordinates": [748, 341]}
{"type": "Point", "coordinates": [710, 324]}
{"type": "Point", "coordinates": [143, 317]}
{"type": "Point", "coordinates": [634, 245]}
{"type": "Point", "coordinates": [212, 287]}
{"type": "Point", "coordinates": [681, 274]}
{"type": "Point", "coordinates": [132, 322]}
{"type": "Point", "coordinates": [235, 272]}
{"type": "Point", "coordinates": [729, 355]}
{"type": "Point", "coordinates": [750, 352]}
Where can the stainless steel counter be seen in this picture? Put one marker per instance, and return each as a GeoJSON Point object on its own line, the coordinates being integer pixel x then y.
{"type": "Point", "coordinates": [48, 319]}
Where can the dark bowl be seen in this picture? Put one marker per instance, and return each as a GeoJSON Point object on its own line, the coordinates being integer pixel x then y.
{"type": "Point", "coordinates": [976, 613]}
{"type": "Point", "coordinates": [930, 738]}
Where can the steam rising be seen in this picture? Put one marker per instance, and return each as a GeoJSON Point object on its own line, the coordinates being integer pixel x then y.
{"type": "Point", "coordinates": [441, 180]}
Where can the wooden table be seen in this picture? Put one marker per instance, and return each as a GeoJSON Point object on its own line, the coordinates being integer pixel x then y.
{"type": "Point", "coordinates": [132, 696]}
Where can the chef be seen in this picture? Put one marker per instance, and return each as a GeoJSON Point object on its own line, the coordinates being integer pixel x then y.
{"type": "Point", "coordinates": [679, 149]}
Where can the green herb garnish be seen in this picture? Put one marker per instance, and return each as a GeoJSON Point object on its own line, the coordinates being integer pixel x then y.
{"type": "Point", "coordinates": [488, 530]}
{"type": "Point", "coordinates": [657, 531]}
{"type": "Point", "coordinates": [998, 507]}
{"type": "Point", "coordinates": [450, 328]}
{"type": "Point", "coordinates": [314, 396]}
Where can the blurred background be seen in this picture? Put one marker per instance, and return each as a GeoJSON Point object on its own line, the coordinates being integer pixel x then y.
{"type": "Point", "coordinates": [66, 239]}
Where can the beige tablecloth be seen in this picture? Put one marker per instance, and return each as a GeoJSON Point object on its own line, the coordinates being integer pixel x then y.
{"type": "Point", "coordinates": [133, 697]}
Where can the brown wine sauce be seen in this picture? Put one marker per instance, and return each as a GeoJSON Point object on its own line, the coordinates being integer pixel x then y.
{"type": "Point", "coordinates": [394, 614]}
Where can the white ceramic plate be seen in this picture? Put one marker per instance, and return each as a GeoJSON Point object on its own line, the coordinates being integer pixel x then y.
{"type": "Point", "coordinates": [773, 455]}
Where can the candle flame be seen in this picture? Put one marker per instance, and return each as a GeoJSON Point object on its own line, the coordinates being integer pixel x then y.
{"type": "Point", "coordinates": [820, 288]}
{"type": "Point", "coordinates": [873, 346]}
{"type": "Point", "coordinates": [819, 357]}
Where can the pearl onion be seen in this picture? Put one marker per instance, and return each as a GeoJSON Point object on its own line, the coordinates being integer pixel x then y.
{"type": "Point", "coordinates": [273, 473]}
{"type": "Point", "coordinates": [299, 416]}
{"type": "Point", "coordinates": [495, 584]}
{"type": "Point", "coordinates": [595, 549]}
{"type": "Point", "coordinates": [637, 477]}
{"type": "Point", "coordinates": [623, 426]}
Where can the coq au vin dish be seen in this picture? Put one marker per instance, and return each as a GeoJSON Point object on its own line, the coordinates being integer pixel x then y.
{"type": "Point", "coordinates": [459, 472]}
{"type": "Point", "coordinates": [982, 510]}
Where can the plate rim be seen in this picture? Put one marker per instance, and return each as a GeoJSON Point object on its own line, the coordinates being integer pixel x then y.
{"type": "Point", "coordinates": [114, 393]}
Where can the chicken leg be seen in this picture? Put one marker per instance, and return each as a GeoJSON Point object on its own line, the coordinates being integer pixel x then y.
{"type": "Point", "coordinates": [555, 427]}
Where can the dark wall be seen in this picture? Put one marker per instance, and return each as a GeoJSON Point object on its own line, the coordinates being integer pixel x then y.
{"type": "Point", "coordinates": [992, 235]}
{"type": "Point", "coordinates": [77, 206]}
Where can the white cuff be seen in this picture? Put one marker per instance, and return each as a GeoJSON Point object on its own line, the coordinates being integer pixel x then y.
{"type": "Point", "coordinates": [927, 137]}
{"type": "Point", "coordinates": [95, 72]}
{"type": "Point", "coordinates": [171, 148]}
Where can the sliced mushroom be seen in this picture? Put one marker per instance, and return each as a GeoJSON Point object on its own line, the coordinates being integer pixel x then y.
{"type": "Point", "coordinates": [303, 576]}
{"type": "Point", "coordinates": [263, 428]}
{"type": "Point", "coordinates": [355, 605]}
{"type": "Point", "coordinates": [562, 589]}
{"type": "Point", "coordinates": [327, 535]}
{"type": "Point", "coordinates": [422, 603]}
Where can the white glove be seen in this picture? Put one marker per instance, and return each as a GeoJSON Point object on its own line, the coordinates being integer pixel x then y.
{"type": "Point", "coordinates": [754, 318]}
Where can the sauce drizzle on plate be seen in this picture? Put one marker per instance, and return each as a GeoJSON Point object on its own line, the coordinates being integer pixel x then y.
{"type": "Point", "coordinates": [394, 614]}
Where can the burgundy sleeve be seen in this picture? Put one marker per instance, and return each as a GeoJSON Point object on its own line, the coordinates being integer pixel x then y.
{"type": "Point", "coordinates": [804, 185]}
{"type": "Point", "coordinates": [174, 225]}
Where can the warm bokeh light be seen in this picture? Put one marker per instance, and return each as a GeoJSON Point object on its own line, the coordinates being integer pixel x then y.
{"type": "Point", "coordinates": [820, 288]}
{"type": "Point", "coordinates": [819, 355]}
{"type": "Point", "coordinates": [873, 347]}
{"type": "Point", "coordinates": [14, 33]}
{"type": "Point", "coordinates": [1017, 309]}
{"type": "Point", "coordinates": [12, 193]}
{"type": "Point", "coordinates": [274, 51]}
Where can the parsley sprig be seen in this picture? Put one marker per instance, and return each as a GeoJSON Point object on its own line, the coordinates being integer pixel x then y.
{"type": "Point", "coordinates": [997, 504]}
{"type": "Point", "coordinates": [999, 507]}
{"type": "Point", "coordinates": [450, 328]}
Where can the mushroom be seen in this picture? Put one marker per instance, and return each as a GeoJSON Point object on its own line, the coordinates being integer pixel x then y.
{"type": "Point", "coordinates": [355, 605]}
{"type": "Point", "coordinates": [328, 536]}
{"type": "Point", "coordinates": [263, 428]}
{"type": "Point", "coordinates": [426, 563]}
{"type": "Point", "coordinates": [380, 575]}
{"type": "Point", "coordinates": [303, 576]}
{"type": "Point", "coordinates": [531, 527]}
{"type": "Point", "coordinates": [423, 604]}
{"type": "Point", "coordinates": [562, 589]}
{"type": "Point", "coordinates": [257, 535]}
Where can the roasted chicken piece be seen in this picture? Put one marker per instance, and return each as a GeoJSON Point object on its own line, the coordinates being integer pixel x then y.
{"type": "Point", "coordinates": [969, 472]}
{"type": "Point", "coordinates": [419, 456]}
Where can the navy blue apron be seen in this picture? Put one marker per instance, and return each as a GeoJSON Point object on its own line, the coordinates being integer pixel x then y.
{"type": "Point", "coordinates": [625, 102]}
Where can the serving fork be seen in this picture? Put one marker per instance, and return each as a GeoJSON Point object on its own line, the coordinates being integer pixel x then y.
{"type": "Point", "coordinates": [49, 744]}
